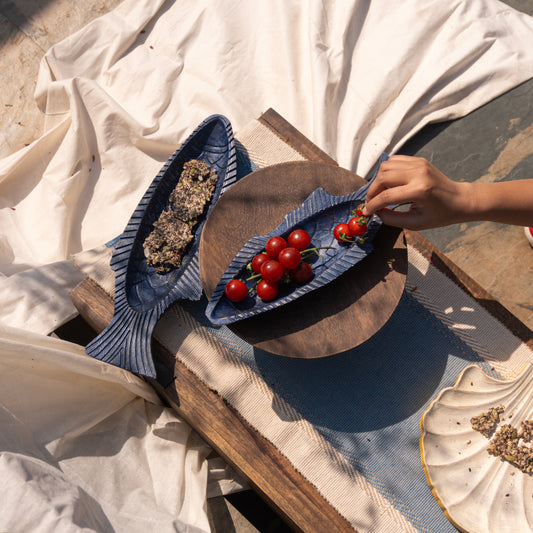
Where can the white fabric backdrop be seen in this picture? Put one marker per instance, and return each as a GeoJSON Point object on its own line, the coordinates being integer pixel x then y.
{"type": "Point", "coordinates": [86, 446]}
{"type": "Point", "coordinates": [357, 77]}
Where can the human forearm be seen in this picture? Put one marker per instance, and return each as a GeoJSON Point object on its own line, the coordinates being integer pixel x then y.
{"type": "Point", "coordinates": [434, 200]}
{"type": "Point", "coordinates": [508, 202]}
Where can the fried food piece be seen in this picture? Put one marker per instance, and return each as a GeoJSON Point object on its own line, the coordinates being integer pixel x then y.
{"type": "Point", "coordinates": [167, 244]}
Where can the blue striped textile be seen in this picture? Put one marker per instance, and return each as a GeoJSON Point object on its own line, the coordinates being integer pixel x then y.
{"type": "Point", "coordinates": [367, 402]}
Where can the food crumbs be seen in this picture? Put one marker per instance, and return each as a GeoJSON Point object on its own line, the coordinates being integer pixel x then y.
{"type": "Point", "coordinates": [508, 443]}
{"type": "Point", "coordinates": [486, 423]}
{"type": "Point", "coordinates": [173, 231]}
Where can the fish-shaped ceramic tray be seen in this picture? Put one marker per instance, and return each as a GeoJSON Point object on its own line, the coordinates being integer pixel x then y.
{"type": "Point", "coordinates": [318, 215]}
{"type": "Point", "coordinates": [479, 492]}
{"type": "Point", "coordinates": [332, 319]}
{"type": "Point", "coordinates": [141, 294]}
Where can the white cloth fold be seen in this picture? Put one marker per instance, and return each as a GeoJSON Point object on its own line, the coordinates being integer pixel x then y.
{"type": "Point", "coordinates": [121, 94]}
{"type": "Point", "coordinates": [85, 446]}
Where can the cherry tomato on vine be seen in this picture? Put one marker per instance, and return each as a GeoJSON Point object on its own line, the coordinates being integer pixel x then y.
{"type": "Point", "coordinates": [290, 257]}
{"type": "Point", "coordinates": [272, 271]}
{"type": "Point", "coordinates": [302, 273]}
{"type": "Point", "coordinates": [267, 290]}
{"type": "Point", "coordinates": [274, 245]}
{"type": "Point", "coordinates": [236, 290]}
{"type": "Point", "coordinates": [342, 232]}
{"type": "Point", "coordinates": [359, 210]}
{"type": "Point", "coordinates": [258, 260]}
{"type": "Point", "coordinates": [299, 239]}
{"type": "Point", "coordinates": [357, 228]}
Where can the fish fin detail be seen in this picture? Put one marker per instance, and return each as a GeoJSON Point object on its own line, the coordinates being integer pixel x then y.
{"type": "Point", "coordinates": [126, 342]}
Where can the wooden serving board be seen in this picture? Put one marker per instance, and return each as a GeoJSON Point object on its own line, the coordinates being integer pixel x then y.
{"type": "Point", "coordinates": [329, 320]}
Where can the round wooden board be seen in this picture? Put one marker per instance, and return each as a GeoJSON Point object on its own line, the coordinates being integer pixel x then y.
{"type": "Point", "coordinates": [329, 320]}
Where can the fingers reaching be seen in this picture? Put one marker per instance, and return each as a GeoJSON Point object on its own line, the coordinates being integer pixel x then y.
{"type": "Point", "coordinates": [391, 184]}
{"type": "Point", "coordinates": [401, 180]}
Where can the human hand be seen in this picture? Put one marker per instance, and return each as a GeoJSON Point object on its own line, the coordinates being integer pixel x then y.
{"type": "Point", "coordinates": [435, 200]}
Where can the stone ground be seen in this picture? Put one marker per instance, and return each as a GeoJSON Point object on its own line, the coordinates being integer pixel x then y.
{"type": "Point", "coordinates": [493, 143]}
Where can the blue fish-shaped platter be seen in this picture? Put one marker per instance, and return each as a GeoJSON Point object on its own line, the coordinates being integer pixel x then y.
{"type": "Point", "coordinates": [318, 215]}
{"type": "Point", "coordinates": [141, 294]}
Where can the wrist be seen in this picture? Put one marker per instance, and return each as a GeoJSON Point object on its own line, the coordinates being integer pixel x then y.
{"type": "Point", "coordinates": [467, 204]}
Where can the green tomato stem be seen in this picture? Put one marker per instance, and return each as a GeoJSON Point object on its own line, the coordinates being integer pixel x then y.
{"type": "Point", "coordinates": [344, 238]}
{"type": "Point", "coordinates": [315, 250]}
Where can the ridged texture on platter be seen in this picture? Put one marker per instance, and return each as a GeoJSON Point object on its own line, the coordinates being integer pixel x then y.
{"type": "Point", "coordinates": [141, 294]}
{"type": "Point", "coordinates": [318, 215]}
{"type": "Point", "coordinates": [479, 492]}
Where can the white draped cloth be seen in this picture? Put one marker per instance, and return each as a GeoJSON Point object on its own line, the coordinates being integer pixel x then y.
{"type": "Point", "coordinates": [85, 446]}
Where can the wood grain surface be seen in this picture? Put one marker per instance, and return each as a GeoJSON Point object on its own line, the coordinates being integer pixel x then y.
{"type": "Point", "coordinates": [329, 320]}
{"type": "Point", "coordinates": [291, 136]}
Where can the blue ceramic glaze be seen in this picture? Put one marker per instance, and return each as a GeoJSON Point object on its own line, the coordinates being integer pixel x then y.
{"type": "Point", "coordinates": [141, 294]}
{"type": "Point", "coordinates": [317, 215]}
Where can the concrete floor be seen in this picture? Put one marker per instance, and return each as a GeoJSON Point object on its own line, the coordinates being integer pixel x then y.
{"type": "Point", "coordinates": [493, 143]}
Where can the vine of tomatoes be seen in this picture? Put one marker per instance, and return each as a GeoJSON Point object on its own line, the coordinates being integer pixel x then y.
{"type": "Point", "coordinates": [280, 262]}
{"type": "Point", "coordinates": [354, 229]}
{"type": "Point", "coordinates": [284, 260]}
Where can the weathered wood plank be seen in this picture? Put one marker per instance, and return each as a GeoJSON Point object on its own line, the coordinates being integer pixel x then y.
{"type": "Point", "coordinates": [290, 135]}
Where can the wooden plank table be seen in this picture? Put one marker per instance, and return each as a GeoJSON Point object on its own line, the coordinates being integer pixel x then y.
{"type": "Point", "coordinates": [262, 465]}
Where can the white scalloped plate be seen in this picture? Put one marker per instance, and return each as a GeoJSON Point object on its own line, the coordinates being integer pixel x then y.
{"type": "Point", "coordinates": [478, 492]}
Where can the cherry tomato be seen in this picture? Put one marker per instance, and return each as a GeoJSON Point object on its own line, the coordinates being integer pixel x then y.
{"type": "Point", "coordinates": [299, 239]}
{"type": "Point", "coordinates": [290, 257]}
{"type": "Point", "coordinates": [236, 290]}
{"type": "Point", "coordinates": [357, 228]}
{"type": "Point", "coordinates": [359, 210]}
{"type": "Point", "coordinates": [272, 271]}
{"type": "Point", "coordinates": [267, 290]}
{"type": "Point", "coordinates": [302, 273]}
{"type": "Point", "coordinates": [342, 232]}
{"type": "Point", "coordinates": [274, 246]}
{"type": "Point", "coordinates": [257, 261]}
